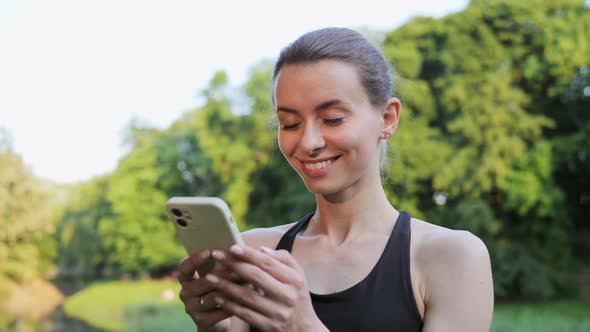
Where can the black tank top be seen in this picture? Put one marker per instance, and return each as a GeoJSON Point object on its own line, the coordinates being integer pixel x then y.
{"type": "Point", "coordinates": [382, 301]}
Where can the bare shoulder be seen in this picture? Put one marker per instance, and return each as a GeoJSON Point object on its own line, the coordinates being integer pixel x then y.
{"type": "Point", "coordinates": [433, 243]}
{"type": "Point", "coordinates": [268, 237]}
{"type": "Point", "coordinates": [450, 260]}
{"type": "Point", "coordinates": [455, 277]}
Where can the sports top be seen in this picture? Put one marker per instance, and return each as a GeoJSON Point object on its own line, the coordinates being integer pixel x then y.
{"type": "Point", "coordinates": [382, 301]}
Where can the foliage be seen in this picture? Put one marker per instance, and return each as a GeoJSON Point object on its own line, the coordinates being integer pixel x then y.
{"type": "Point", "coordinates": [80, 246]}
{"type": "Point", "coordinates": [26, 222]}
{"type": "Point", "coordinates": [138, 237]}
{"type": "Point", "coordinates": [502, 84]}
{"type": "Point", "coordinates": [110, 224]}
{"type": "Point", "coordinates": [237, 144]}
{"type": "Point", "coordinates": [494, 138]}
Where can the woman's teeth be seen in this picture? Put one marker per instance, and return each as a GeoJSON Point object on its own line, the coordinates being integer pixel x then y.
{"type": "Point", "coordinates": [318, 165]}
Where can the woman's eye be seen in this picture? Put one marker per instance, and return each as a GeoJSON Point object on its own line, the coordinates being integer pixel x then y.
{"type": "Point", "coordinates": [290, 127]}
{"type": "Point", "coordinates": [336, 121]}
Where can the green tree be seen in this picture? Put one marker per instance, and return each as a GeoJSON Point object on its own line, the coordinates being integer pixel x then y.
{"type": "Point", "coordinates": [494, 138]}
{"type": "Point", "coordinates": [26, 220]}
{"type": "Point", "coordinates": [493, 82]}
{"type": "Point", "coordinates": [137, 237]}
{"type": "Point", "coordinates": [80, 245]}
{"type": "Point", "coordinates": [236, 144]}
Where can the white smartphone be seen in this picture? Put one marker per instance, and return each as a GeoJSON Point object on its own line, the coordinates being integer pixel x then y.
{"type": "Point", "coordinates": [203, 223]}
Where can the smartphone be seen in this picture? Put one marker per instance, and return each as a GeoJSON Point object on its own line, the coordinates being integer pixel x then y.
{"type": "Point", "coordinates": [203, 223]}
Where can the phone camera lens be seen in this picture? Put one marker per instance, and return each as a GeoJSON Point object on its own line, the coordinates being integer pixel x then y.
{"type": "Point", "coordinates": [177, 212]}
{"type": "Point", "coordinates": [181, 222]}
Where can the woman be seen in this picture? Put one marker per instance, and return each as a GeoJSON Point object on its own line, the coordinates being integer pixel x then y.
{"type": "Point", "coordinates": [356, 263]}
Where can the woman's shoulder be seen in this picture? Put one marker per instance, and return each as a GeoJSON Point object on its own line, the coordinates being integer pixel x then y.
{"type": "Point", "coordinates": [268, 237]}
{"type": "Point", "coordinates": [454, 273]}
{"type": "Point", "coordinates": [440, 248]}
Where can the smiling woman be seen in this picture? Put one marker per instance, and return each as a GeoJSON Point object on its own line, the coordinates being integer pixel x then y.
{"type": "Point", "coordinates": [329, 125]}
{"type": "Point", "coordinates": [356, 263]}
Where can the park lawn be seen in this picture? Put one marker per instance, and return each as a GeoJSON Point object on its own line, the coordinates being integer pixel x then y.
{"type": "Point", "coordinates": [138, 306]}
{"type": "Point", "coordinates": [106, 305]}
{"type": "Point", "coordinates": [158, 317]}
{"type": "Point", "coordinates": [566, 316]}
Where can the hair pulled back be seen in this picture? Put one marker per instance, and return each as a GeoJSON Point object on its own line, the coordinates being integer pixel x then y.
{"type": "Point", "coordinates": [348, 46]}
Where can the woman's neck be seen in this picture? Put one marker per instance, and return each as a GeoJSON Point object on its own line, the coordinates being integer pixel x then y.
{"type": "Point", "coordinates": [351, 214]}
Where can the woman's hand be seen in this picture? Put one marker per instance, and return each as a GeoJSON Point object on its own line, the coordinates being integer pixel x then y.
{"type": "Point", "coordinates": [197, 294]}
{"type": "Point", "coordinates": [282, 301]}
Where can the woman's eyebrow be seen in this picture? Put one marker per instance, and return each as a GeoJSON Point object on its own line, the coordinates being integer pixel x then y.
{"type": "Point", "coordinates": [286, 109]}
{"type": "Point", "coordinates": [320, 107]}
{"type": "Point", "coordinates": [329, 104]}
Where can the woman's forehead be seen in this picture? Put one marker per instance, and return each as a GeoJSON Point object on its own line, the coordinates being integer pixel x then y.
{"type": "Point", "coordinates": [325, 67]}
{"type": "Point", "coordinates": [318, 82]}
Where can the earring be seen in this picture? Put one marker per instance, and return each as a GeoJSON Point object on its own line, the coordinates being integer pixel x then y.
{"type": "Point", "coordinates": [386, 135]}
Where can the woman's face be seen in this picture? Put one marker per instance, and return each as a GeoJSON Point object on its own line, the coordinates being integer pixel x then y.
{"type": "Point", "coordinates": [328, 129]}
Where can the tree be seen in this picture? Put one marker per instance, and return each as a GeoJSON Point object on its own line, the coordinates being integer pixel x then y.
{"type": "Point", "coordinates": [492, 82]}
{"type": "Point", "coordinates": [138, 238]}
{"type": "Point", "coordinates": [26, 220]}
{"type": "Point", "coordinates": [236, 144]}
{"type": "Point", "coordinates": [80, 244]}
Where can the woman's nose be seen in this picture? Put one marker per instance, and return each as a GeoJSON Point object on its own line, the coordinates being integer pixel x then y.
{"type": "Point", "coordinates": [312, 140]}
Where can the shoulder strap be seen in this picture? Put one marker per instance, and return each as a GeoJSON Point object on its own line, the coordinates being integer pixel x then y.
{"type": "Point", "coordinates": [287, 239]}
{"type": "Point", "coordinates": [404, 219]}
{"type": "Point", "coordinates": [400, 262]}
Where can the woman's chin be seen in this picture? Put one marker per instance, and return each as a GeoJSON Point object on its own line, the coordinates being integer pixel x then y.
{"type": "Point", "coordinates": [322, 189]}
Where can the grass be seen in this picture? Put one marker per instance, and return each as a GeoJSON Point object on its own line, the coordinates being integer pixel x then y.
{"type": "Point", "coordinates": [106, 305]}
{"type": "Point", "coordinates": [134, 306]}
{"type": "Point", "coordinates": [158, 317]}
{"type": "Point", "coordinates": [565, 316]}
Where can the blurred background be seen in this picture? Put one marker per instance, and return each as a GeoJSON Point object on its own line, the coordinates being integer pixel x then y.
{"type": "Point", "coordinates": [108, 108]}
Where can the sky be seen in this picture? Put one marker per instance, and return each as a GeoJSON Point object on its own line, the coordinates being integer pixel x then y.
{"type": "Point", "coordinates": [74, 73]}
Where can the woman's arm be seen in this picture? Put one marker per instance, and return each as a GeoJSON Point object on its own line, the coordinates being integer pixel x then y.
{"type": "Point", "coordinates": [459, 294]}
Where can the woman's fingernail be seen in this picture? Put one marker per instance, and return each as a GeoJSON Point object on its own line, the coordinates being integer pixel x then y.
{"type": "Point", "coordinates": [212, 278]}
{"type": "Point", "coordinates": [205, 254]}
{"type": "Point", "coordinates": [218, 254]}
{"type": "Point", "coordinates": [218, 300]}
{"type": "Point", "coordinates": [237, 249]}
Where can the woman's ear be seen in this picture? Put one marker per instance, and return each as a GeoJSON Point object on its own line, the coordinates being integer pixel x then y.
{"type": "Point", "coordinates": [391, 115]}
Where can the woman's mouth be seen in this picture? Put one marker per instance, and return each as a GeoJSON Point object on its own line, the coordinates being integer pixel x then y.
{"type": "Point", "coordinates": [318, 168]}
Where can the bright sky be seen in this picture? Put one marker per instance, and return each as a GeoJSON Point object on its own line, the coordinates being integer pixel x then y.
{"type": "Point", "coordinates": [73, 73]}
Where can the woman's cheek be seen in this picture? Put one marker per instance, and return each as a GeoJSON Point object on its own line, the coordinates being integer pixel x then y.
{"type": "Point", "coordinates": [285, 144]}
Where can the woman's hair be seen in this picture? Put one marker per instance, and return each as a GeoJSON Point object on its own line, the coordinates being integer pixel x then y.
{"type": "Point", "coordinates": [348, 46]}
